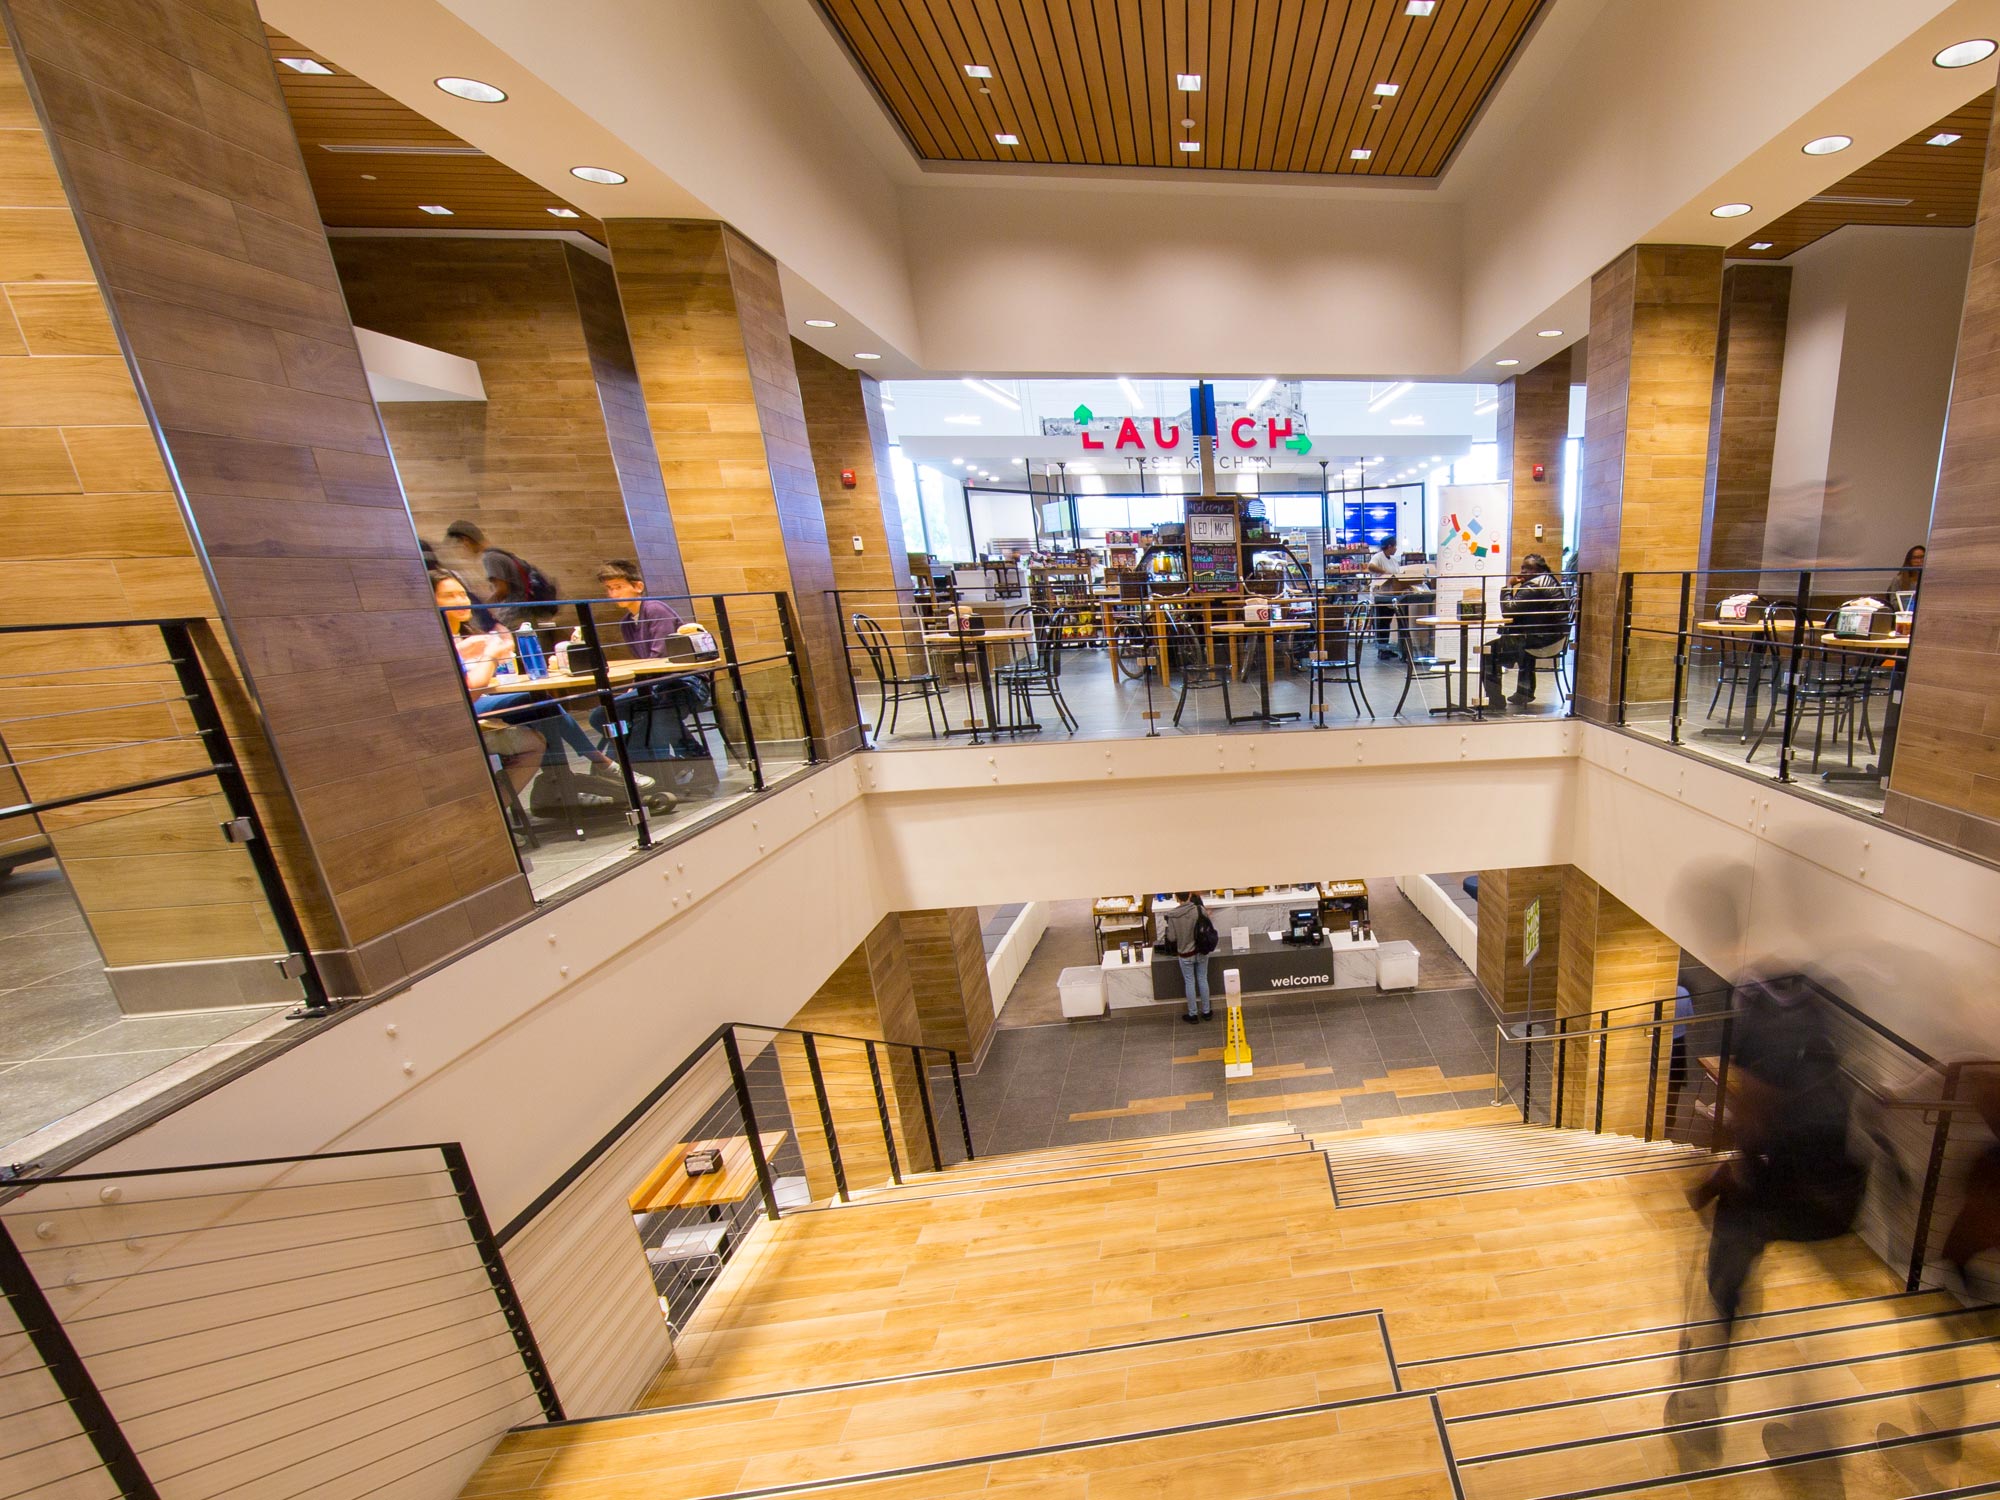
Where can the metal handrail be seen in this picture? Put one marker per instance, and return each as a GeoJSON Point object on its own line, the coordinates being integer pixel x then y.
{"type": "Point", "coordinates": [1572, 1036]}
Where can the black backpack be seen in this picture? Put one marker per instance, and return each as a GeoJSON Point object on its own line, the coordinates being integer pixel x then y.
{"type": "Point", "coordinates": [1205, 935]}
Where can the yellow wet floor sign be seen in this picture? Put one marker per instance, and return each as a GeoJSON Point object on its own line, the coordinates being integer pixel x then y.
{"type": "Point", "coordinates": [1236, 1050]}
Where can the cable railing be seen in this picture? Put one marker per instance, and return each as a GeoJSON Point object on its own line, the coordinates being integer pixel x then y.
{"type": "Point", "coordinates": [611, 723]}
{"type": "Point", "coordinates": [1136, 658]}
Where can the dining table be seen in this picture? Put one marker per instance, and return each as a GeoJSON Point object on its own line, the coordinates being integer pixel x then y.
{"type": "Point", "coordinates": [1736, 630]}
{"type": "Point", "coordinates": [1266, 631]}
{"type": "Point", "coordinates": [1470, 706]}
{"type": "Point", "coordinates": [1894, 652]}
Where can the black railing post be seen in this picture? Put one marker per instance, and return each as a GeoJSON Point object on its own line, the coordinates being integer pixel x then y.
{"type": "Point", "coordinates": [503, 1284]}
{"type": "Point", "coordinates": [244, 826]}
{"type": "Point", "coordinates": [958, 1088]}
{"type": "Point", "coordinates": [1720, 1128]}
{"type": "Point", "coordinates": [1560, 1101]}
{"type": "Point", "coordinates": [1624, 641]}
{"type": "Point", "coordinates": [614, 723]}
{"type": "Point", "coordinates": [841, 625]}
{"type": "Point", "coordinates": [1933, 1175]}
{"type": "Point", "coordinates": [1603, 1058]}
{"type": "Point", "coordinates": [65, 1366]}
{"type": "Point", "coordinates": [825, 1115]}
{"type": "Point", "coordinates": [1682, 644]}
{"type": "Point", "coordinates": [742, 699]}
{"type": "Point", "coordinates": [741, 1083]}
{"type": "Point", "coordinates": [1801, 602]}
{"type": "Point", "coordinates": [798, 681]}
{"type": "Point", "coordinates": [924, 1094]}
{"type": "Point", "coordinates": [882, 1110]}
{"type": "Point", "coordinates": [1527, 1067]}
{"type": "Point", "coordinates": [1653, 1071]}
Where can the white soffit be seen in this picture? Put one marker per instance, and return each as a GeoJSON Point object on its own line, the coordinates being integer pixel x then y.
{"type": "Point", "coordinates": [399, 370]}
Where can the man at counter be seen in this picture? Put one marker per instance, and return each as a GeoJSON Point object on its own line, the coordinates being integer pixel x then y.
{"type": "Point", "coordinates": [1383, 565]}
{"type": "Point", "coordinates": [1180, 935]}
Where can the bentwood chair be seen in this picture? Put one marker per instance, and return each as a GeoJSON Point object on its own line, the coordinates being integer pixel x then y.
{"type": "Point", "coordinates": [1338, 631]}
{"type": "Point", "coordinates": [1038, 672]}
{"type": "Point", "coordinates": [892, 685]}
{"type": "Point", "coordinates": [1736, 659]}
{"type": "Point", "coordinates": [1189, 657]}
{"type": "Point", "coordinates": [1831, 682]}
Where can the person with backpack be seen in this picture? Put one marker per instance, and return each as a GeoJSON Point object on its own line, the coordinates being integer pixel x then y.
{"type": "Point", "coordinates": [1192, 936]}
{"type": "Point", "coordinates": [515, 587]}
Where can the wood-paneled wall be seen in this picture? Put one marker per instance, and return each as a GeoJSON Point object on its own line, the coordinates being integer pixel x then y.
{"type": "Point", "coordinates": [1651, 364]}
{"type": "Point", "coordinates": [844, 421]}
{"type": "Point", "coordinates": [1504, 898]}
{"type": "Point", "coordinates": [1946, 780]}
{"type": "Point", "coordinates": [1532, 425]}
{"type": "Point", "coordinates": [532, 464]}
{"type": "Point", "coordinates": [947, 961]}
{"type": "Point", "coordinates": [714, 355]}
{"type": "Point", "coordinates": [1612, 957]}
{"type": "Point", "coordinates": [1743, 421]}
{"type": "Point", "coordinates": [182, 165]}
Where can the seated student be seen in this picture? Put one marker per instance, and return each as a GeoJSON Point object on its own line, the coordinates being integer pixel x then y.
{"type": "Point", "coordinates": [1537, 608]}
{"type": "Point", "coordinates": [519, 747]}
{"type": "Point", "coordinates": [551, 721]}
{"type": "Point", "coordinates": [645, 626]}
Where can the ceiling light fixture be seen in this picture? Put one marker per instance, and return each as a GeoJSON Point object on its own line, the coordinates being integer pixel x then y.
{"type": "Point", "coordinates": [1131, 393]}
{"type": "Point", "coordinates": [959, 462]}
{"type": "Point", "coordinates": [471, 90]}
{"type": "Point", "coordinates": [307, 65]}
{"type": "Point", "coordinates": [1395, 392]}
{"type": "Point", "coordinates": [1188, 83]}
{"type": "Point", "coordinates": [1548, 333]}
{"type": "Point", "coordinates": [565, 213]}
{"type": "Point", "coordinates": [1359, 153]}
{"type": "Point", "coordinates": [1760, 244]}
{"type": "Point", "coordinates": [1826, 145]}
{"type": "Point", "coordinates": [978, 70]}
{"type": "Point", "coordinates": [1414, 419]}
{"type": "Point", "coordinates": [993, 393]}
{"type": "Point", "coordinates": [867, 356]}
{"type": "Point", "coordinates": [1263, 391]}
{"type": "Point", "coordinates": [1008, 139]}
{"type": "Point", "coordinates": [602, 175]}
{"type": "Point", "coordinates": [821, 323]}
{"type": "Point", "coordinates": [1506, 361]}
{"type": "Point", "coordinates": [1388, 90]}
{"type": "Point", "coordinates": [1943, 138]}
{"type": "Point", "coordinates": [1861, 200]}
{"type": "Point", "coordinates": [1729, 211]}
{"type": "Point", "coordinates": [1420, 7]}
{"type": "Point", "coordinates": [1965, 54]}
{"type": "Point", "coordinates": [1190, 145]}
{"type": "Point", "coordinates": [434, 208]}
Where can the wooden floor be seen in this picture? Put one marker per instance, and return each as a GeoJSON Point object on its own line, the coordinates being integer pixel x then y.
{"type": "Point", "coordinates": [1210, 1324]}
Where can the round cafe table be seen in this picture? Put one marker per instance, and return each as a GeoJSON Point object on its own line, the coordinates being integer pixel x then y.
{"type": "Point", "coordinates": [1895, 650]}
{"type": "Point", "coordinates": [1268, 631]}
{"type": "Point", "coordinates": [1465, 705]}
{"type": "Point", "coordinates": [983, 642]}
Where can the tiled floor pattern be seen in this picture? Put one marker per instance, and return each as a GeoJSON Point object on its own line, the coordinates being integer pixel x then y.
{"type": "Point", "coordinates": [1325, 1064]}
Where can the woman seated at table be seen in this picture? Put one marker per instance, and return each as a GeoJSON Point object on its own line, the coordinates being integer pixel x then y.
{"type": "Point", "coordinates": [480, 656]}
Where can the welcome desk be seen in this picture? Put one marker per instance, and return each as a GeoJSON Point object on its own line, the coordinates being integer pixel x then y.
{"type": "Point", "coordinates": [1337, 962]}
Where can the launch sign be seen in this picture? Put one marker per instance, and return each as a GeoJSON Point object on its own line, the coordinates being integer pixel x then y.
{"type": "Point", "coordinates": [1136, 437]}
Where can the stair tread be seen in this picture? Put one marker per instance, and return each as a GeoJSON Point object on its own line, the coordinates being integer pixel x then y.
{"type": "Point", "coordinates": [944, 1185]}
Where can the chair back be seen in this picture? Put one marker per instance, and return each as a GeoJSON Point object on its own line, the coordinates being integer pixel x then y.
{"type": "Point", "coordinates": [875, 642]}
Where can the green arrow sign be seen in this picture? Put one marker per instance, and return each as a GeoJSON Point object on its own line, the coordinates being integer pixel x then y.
{"type": "Point", "coordinates": [1082, 414]}
{"type": "Point", "coordinates": [1299, 444]}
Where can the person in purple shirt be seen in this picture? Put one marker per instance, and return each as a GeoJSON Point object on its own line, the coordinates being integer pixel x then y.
{"type": "Point", "coordinates": [645, 625]}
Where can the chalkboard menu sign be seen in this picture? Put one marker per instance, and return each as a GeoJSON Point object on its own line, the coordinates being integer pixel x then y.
{"type": "Point", "coordinates": [1211, 563]}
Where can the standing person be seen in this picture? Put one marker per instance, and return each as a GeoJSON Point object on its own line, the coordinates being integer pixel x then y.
{"type": "Point", "coordinates": [1382, 566]}
{"type": "Point", "coordinates": [1537, 610]}
{"type": "Point", "coordinates": [1185, 936]}
{"type": "Point", "coordinates": [513, 584]}
{"type": "Point", "coordinates": [1912, 572]}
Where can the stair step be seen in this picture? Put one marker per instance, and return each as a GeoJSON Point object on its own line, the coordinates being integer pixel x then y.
{"type": "Point", "coordinates": [1447, 1163]}
{"type": "Point", "coordinates": [945, 1185]}
{"type": "Point", "coordinates": [1120, 1150]}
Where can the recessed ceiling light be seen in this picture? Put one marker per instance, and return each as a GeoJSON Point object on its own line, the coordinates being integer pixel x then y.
{"type": "Point", "coordinates": [978, 70]}
{"type": "Point", "coordinates": [1826, 145]}
{"type": "Point", "coordinates": [1760, 244]}
{"type": "Point", "coordinates": [821, 323]}
{"type": "Point", "coordinates": [471, 90]}
{"type": "Point", "coordinates": [867, 356]}
{"type": "Point", "coordinates": [1190, 145]}
{"type": "Point", "coordinates": [1730, 211]}
{"type": "Point", "coordinates": [1188, 83]}
{"type": "Point", "coordinates": [1388, 90]}
{"type": "Point", "coordinates": [1008, 140]}
{"type": "Point", "coordinates": [367, 176]}
{"type": "Point", "coordinates": [1506, 361]}
{"type": "Point", "coordinates": [1964, 54]}
{"type": "Point", "coordinates": [1943, 138]}
{"type": "Point", "coordinates": [1420, 7]}
{"type": "Point", "coordinates": [1359, 153]}
{"type": "Point", "coordinates": [565, 213]}
{"type": "Point", "coordinates": [1548, 333]}
{"type": "Point", "coordinates": [598, 174]}
{"type": "Point", "coordinates": [958, 463]}
{"type": "Point", "coordinates": [307, 65]}
{"type": "Point", "coordinates": [434, 208]}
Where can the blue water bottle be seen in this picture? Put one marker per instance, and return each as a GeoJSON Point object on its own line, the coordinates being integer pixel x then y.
{"type": "Point", "coordinates": [528, 646]}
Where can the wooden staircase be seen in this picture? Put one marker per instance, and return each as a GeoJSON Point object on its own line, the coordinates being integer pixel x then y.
{"type": "Point", "coordinates": [1194, 1316]}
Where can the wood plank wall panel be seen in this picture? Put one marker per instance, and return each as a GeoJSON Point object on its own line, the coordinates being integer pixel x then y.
{"type": "Point", "coordinates": [658, 553]}
{"type": "Point", "coordinates": [1532, 425]}
{"type": "Point", "coordinates": [1504, 897]}
{"type": "Point", "coordinates": [1651, 364]}
{"type": "Point", "coordinates": [1946, 780]}
{"type": "Point", "coordinates": [182, 164]}
{"type": "Point", "coordinates": [714, 355]}
{"type": "Point", "coordinates": [1611, 957]}
{"type": "Point", "coordinates": [947, 963]}
{"type": "Point", "coordinates": [531, 464]}
{"type": "Point", "coordinates": [1743, 421]}
{"type": "Point", "coordinates": [844, 421]}
{"type": "Point", "coordinates": [1287, 85]}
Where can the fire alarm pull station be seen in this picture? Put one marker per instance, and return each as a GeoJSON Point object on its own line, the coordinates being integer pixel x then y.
{"type": "Point", "coordinates": [847, 479]}
{"type": "Point", "coordinates": [1541, 473]}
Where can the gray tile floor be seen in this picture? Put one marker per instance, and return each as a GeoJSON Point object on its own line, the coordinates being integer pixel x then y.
{"type": "Point", "coordinates": [1036, 1077]}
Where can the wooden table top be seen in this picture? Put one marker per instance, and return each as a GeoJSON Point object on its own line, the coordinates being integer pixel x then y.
{"type": "Point", "coordinates": [1468, 624]}
{"type": "Point", "coordinates": [1868, 643]}
{"type": "Point", "coordinates": [1245, 627]}
{"type": "Point", "coordinates": [953, 637]}
{"type": "Point", "coordinates": [618, 671]}
{"type": "Point", "coordinates": [667, 1186]}
{"type": "Point", "coordinates": [1731, 627]}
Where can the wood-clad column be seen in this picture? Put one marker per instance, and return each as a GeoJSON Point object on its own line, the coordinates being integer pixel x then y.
{"type": "Point", "coordinates": [1504, 898]}
{"type": "Point", "coordinates": [844, 420]}
{"type": "Point", "coordinates": [714, 356]}
{"type": "Point", "coordinates": [1743, 422]}
{"type": "Point", "coordinates": [1946, 780]}
{"type": "Point", "coordinates": [946, 953]}
{"type": "Point", "coordinates": [1532, 425]}
{"type": "Point", "coordinates": [1651, 369]}
{"type": "Point", "coordinates": [869, 995]}
{"type": "Point", "coordinates": [182, 166]}
{"type": "Point", "coordinates": [1611, 958]}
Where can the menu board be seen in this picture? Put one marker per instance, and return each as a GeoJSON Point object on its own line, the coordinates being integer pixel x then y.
{"type": "Point", "coordinates": [1210, 562]}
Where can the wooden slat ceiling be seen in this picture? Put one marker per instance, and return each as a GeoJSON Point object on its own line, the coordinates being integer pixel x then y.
{"type": "Point", "coordinates": [1287, 85]}
{"type": "Point", "coordinates": [1940, 182]}
{"type": "Point", "coordinates": [382, 191]}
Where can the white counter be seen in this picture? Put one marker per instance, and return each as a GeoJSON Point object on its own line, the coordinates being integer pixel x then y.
{"type": "Point", "coordinates": [1270, 912]}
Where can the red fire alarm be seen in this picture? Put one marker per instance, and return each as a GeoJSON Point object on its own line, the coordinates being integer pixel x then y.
{"type": "Point", "coordinates": [847, 478]}
{"type": "Point", "coordinates": [1540, 473]}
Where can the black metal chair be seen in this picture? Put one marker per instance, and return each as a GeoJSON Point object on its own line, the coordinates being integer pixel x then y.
{"type": "Point", "coordinates": [1425, 666]}
{"type": "Point", "coordinates": [1735, 660]}
{"type": "Point", "coordinates": [893, 686]}
{"type": "Point", "coordinates": [1831, 681]}
{"type": "Point", "coordinates": [1038, 671]}
{"type": "Point", "coordinates": [1338, 631]}
{"type": "Point", "coordinates": [1189, 657]}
